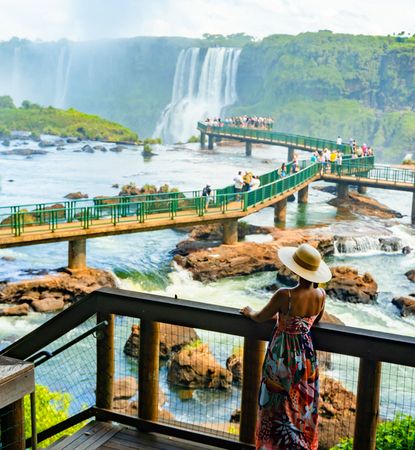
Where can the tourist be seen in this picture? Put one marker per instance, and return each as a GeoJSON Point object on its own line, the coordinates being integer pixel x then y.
{"type": "Point", "coordinates": [333, 160]}
{"type": "Point", "coordinates": [247, 180]}
{"type": "Point", "coordinates": [289, 391]}
{"type": "Point", "coordinates": [283, 170]}
{"type": "Point", "coordinates": [296, 164]}
{"type": "Point", "coordinates": [206, 195]}
{"type": "Point", "coordinates": [339, 140]}
{"type": "Point", "coordinates": [314, 157]}
{"type": "Point", "coordinates": [238, 184]}
{"type": "Point", "coordinates": [339, 162]}
{"type": "Point", "coordinates": [255, 183]}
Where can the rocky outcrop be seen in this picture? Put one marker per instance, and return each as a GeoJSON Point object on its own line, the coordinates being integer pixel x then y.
{"type": "Point", "coordinates": [405, 304]}
{"type": "Point", "coordinates": [125, 388]}
{"type": "Point", "coordinates": [347, 285]}
{"type": "Point", "coordinates": [235, 365]}
{"type": "Point", "coordinates": [117, 148]}
{"type": "Point", "coordinates": [76, 195]}
{"type": "Point", "coordinates": [361, 204]}
{"type": "Point", "coordinates": [330, 318]}
{"type": "Point", "coordinates": [15, 310]}
{"type": "Point", "coordinates": [410, 275]}
{"type": "Point", "coordinates": [196, 367]}
{"type": "Point", "coordinates": [172, 339]}
{"type": "Point", "coordinates": [285, 276]}
{"type": "Point", "coordinates": [24, 152]}
{"type": "Point", "coordinates": [88, 149]}
{"type": "Point", "coordinates": [52, 292]}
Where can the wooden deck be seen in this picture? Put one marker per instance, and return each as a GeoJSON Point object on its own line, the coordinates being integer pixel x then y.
{"type": "Point", "coordinates": [102, 435]}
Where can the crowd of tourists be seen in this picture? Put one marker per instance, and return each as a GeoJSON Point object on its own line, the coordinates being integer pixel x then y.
{"type": "Point", "coordinates": [259, 122]}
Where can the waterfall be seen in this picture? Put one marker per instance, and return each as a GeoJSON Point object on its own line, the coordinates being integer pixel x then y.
{"type": "Point", "coordinates": [367, 244]}
{"type": "Point", "coordinates": [63, 69]}
{"type": "Point", "coordinates": [201, 89]}
{"type": "Point", "coordinates": [16, 83]}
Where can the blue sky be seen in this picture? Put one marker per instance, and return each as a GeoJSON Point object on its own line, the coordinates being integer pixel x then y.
{"type": "Point", "coordinates": [95, 19]}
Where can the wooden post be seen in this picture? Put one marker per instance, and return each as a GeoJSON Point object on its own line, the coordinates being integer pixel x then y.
{"type": "Point", "coordinates": [252, 368]}
{"type": "Point", "coordinates": [343, 191]}
{"type": "Point", "coordinates": [280, 211]}
{"type": "Point", "coordinates": [12, 426]}
{"type": "Point", "coordinates": [211, 140]}
{"type": "Point", "coordinates": [230, 232]}
{"type": "Point", "coordinates": [105, 362]}
{"type": "Point", "coordinates": [248, 148]}
{"type": "Point", "coordinates": [202, 139]}
{"type": "Point", "coordinates": [77, 254]}
{"type": "Point", "coordinates": [362, 189]}
{"type": "Point", "coordinates": [290, 156]}
{"type": "Point", "coordinates": [413, 210]}
{"type": "Point", "coordinates": [303, 195]}
{"type": "Point", "coordinates": [367, 405]}
{"type": "Point", "coordinates": [148, 370]}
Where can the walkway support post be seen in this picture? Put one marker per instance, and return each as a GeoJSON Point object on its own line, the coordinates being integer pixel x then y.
{"type": "Point", "coordinates": [362, 189]}
{"type": "Point", "coordinates": [290, 156]}
{"type": "Point", "coordinates": [77, 254]}
{"type": "Point", "coordinates": [343, 191]}
{"type": "Point", "coordinates": [148, 370]}
{"type": "Point", "coordinates": [202, 139]}
{"type": "Point", "coordinates": [413, 210]}
{"type": "Point", "coordinates": [367, 405]}
{"type": "Point", "coordinates": [248, 148]}
{"type": "Point", "coordinates": [105, 362]}
{"type": "Point", "coordinates": [230, 232]}
{"type": "Point", "coordinates": [303, 195]}
{"type": "Point", "coordinates": [211, 140]}
{"type": "Point", "coordinates": [280, 211]}
{"type": "Point", "coordinates": [253, 359]}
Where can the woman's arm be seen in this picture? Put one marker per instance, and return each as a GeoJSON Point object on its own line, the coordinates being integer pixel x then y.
{"type": "Point", "coordinates": [323, 304]}
{"type": "Point", "coordinates": [267, 312]}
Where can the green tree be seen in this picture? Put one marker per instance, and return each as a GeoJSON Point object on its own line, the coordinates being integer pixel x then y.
{"type": "Point", "coordinates": [6, 102]}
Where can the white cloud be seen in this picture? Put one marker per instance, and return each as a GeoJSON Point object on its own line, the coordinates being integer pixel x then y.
{"type": "Point", "coordinates": [94, 19]}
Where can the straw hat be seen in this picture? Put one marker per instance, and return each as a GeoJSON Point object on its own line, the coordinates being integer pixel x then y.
{"type": "Point", "coordinates": [305, 261]}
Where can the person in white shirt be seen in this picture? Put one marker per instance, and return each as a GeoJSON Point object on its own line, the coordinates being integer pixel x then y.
{"type": "Point", "coordinates": [339, 140]}
{"type": "Point", "coordinates": [255, 183]}
{"type": "Point", "coordinates": [238, 184]}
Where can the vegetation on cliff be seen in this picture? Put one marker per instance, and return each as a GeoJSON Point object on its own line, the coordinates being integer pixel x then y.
{"type": "Point", "coordinates": [38, 120]}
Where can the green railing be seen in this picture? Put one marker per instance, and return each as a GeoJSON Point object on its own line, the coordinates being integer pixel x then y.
{"type": "Point", "coordinates": [275, 137]}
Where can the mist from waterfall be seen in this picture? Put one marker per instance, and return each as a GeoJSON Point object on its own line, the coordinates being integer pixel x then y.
{"type": "Point", "coordinates": [15, 89]}
{"type": "Point", "coordinates": [62, 77]}
{"type": "Point", "coordinates": [201, 89]}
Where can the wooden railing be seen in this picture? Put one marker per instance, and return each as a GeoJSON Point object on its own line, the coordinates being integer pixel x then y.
{"type": "Point", "coordinates": [371, 347]}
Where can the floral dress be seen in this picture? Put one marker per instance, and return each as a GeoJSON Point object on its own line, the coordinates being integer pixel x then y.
{"type": "Point", "coordinates": [289, 391]}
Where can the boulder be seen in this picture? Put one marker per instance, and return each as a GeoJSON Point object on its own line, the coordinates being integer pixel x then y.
{"type": "Point", "coordinates": [125, 388]}
{"type": "Point", "coordinates": [330, 318]}
{"type": "Point", "coordinates": [235, 365]}
{"type": "Point", "coordinates": [390, 244]}
{"type": "Point", "coordinates": [48, 304]}
{"type": "Point", "coordinates": [406, 250]}
{"type": "Point", "coordinates": [72, 140]}
{"type": "Point", "coordinates": [347, 285]}
{"type": "Point", "coordinates": [117, 148]}
{"type": "Point", "coordinates": [8, 258]}
{"type": "Point", "coordinates": [76, 195]}
{"type": "Point", "coordinates": [410, 275]}
{"type": "Point", "coordinates": [60, 148]}
{"type": "Point", "coordinates": [405, 304]}
{"type": "Point", "coordinates": [6, 143]}
{"type": "Point", "coordinates": [172, 339]}
{"type": "Point", "coordinates": [44, 143]}
{"type": "Point", "coordinates": [115, 186]}
{"type": "Point", "coordinates": [25, 152]}
{"type": "Point", "coordinates": [101, 148]}
{"type": "Point", "coordinates": [196, 367]}
{"type": "Point", "coordinates": [16, 310]}
{"type": "Point", "coordinates": [88, 149]}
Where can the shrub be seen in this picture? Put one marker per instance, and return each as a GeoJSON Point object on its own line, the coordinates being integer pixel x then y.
{"type": "Point", "coordinates": [193, 139]}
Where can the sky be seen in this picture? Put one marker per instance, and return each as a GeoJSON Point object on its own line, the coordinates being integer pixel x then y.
{"type": "Point", "coordinates": [96, 19]}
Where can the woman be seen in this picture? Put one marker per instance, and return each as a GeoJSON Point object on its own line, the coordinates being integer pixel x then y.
{"type": "Point", "coordinates": [289, 391]}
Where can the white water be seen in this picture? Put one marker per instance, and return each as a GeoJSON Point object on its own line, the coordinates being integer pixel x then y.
{"type": "Point", "coordinates": [200, 90]}
{"type": "Point", "coordinates": [63, 69]}
{"type": "Point", "coordinates": [15, 91]}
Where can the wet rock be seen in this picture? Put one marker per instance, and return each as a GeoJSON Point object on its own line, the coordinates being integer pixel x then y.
{"type": "Point", "coordinates": [390, 244]}
{"type": "Point", "coordinates": [406, 250]}
{"type": "Point", "coordinates": [196, 367]}
{"type": "Point", "coordinates": [405, 304]}
{"type": "Point", "coordinates": [115, 186]}
{"type": "Point", "coordinates": [72, 140]}
{"type": "Point", "coordinates": [125, 388]}
{"type": "Point", "coordinates": [331, 318]}
{"type": "Point", "coordinates": [172, 339]}
{"type": "Point", "coordinates": [347, 285]}
{"type": "Point", "coordinates": [410, 275]}
{"type": "Point", "coordinates": [44, 143]}
{"type": "Point", "coordinates": [6, 143]}
{"type": "Point", "coordinates": [117, 148]}
{"type": "Point", "coordinates": [88, 149]}
{"type": "Point", "coordinates": [101, 148]}
{"type": "Point", "coordinates": [60, 148]}
{"type": "Point", "coordinates": [291, 198]}
{"type": "Point", "coordinates": [76, 195]}
{"type": "Point", "coordinates": [8, 258]}
{"type": "Point", "coordinates": [48, 304]}
{"type": "Point", "coordinates": [235, 365]}
{"type": "Point", "coordinates": [24, 152]}
{"type": "Point", "coordinates": [16, 310]}
{"type": "Point", "coordinates": [70, 285]}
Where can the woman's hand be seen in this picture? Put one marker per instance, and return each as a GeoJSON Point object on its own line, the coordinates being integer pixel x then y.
{"type": "Point", "coordinates": [247, 311]}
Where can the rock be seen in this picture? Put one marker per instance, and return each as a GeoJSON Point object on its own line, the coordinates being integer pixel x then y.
{"type": "Point", "coordinates": [60, 148]}
{"type": "Point", "coordinates": [8, 258]}
{"type": "Point", "coordinates": [101, 148]}
{"type": "Point", "coordinates": [405, 304]}
{"type": "Point", "coordinates": [234, 365]}
{"type": "Point", "coordinates": [285, 276]}
{"type": "Point", "coordinates": [330, 189]}
{"type": "Point", "coordinates": [330, 318]}
{"type": "Point", "coordinates": [406, 250]}
{"type": "Point", "coordinates": [390, 244]}
{"type": "Point", "coordinates": [117, 148]}
{"type": "Point", "coordinates": [25, 152]}
{"type": "Point", "coordinates": [360, 204]}
{"type": "Point", "coordinates": [16, 310]}
{"type": "Point", "coordinates": [88, 149]}
{"type": "Point", "coordinates": [72, 140]}
{"type": "Point", "coordinates": [172, 339]}
{"type": "Point", "coordinates": [115, 186]}
{"type": "Point", "coordinates": [76, 195]}
{"type": "Point", "coordinates": [48, 304]}
{"type": "Point", "coordinates": [6, 143]}
{"type": "Point", "coordinates": [188, 246]}
{"type": "Point", "coordinates": [347, 285]}
{"type": "Point", "coordinates": [236, 416]}
{"type": "Point", "coordinates": [125, 388]}
{"type": "Point", "coordinates": [70, 286]}
{"type": "Point", "coordinates": [44, 143]}
{"type": "Point", "coordinates": [10, 181]}
{"type": "Point", "coordinates": [196, 367]}
{"type": "Point", "coordinates": [410, 275]}
{"type": "Point", "coordinates": [291, 198]}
